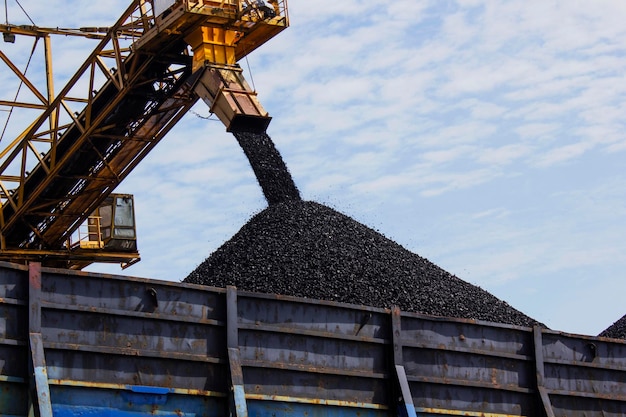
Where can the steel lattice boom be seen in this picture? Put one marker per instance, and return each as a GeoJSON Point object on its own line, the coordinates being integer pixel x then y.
{"type": "Point", "coordinates": [148, 69]}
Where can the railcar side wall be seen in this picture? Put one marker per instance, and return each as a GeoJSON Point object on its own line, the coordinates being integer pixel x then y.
{"type": "Point", "coordinates": [76, 343]}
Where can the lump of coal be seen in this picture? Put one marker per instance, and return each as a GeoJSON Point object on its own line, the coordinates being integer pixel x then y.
{"type": "Point", "coordinates": [306, 249]}
{"type": "Point", "coordinates": [617, 330]}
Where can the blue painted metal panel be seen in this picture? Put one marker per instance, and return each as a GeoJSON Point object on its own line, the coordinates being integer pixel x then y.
{"type": "Point", "coordinates": [71, 401]}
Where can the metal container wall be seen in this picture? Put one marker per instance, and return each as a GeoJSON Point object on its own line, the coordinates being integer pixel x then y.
{"type": "Point", "coordinates": [84, 344]}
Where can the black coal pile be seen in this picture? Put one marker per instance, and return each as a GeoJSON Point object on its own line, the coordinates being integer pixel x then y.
{"type": "Point", "coordinates": [268, 166]}
{"type": "Point", "coordinates": [617, 330]}
{"type": "Point", "coordinates": [306, 249]}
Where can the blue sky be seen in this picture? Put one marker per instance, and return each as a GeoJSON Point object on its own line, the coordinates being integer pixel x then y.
{"type": "Point", "coordinates": [486, 136]}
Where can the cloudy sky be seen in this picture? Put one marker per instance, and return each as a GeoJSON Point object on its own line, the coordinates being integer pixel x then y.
{"type": "Point", "coordinates": [486, 136]}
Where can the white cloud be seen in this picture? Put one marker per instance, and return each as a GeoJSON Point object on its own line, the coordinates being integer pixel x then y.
{"type": "Point", "coordinates": [562, 154]}
{"type": "Point", "coordinates": [503, 155]}
{"type": "Point", "coordinates": [536, 131]}
{"type": "Point", "coordinates": [440, 183]}
{"type": "Point", "coordinates": [493, 213]}
{"type": "Point", "coordinates": [481, 109]}
{"type": "Point", "coordinates": [446, 156]}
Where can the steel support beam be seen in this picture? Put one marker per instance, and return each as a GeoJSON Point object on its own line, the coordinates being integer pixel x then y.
{"type": "Point", "coordinates": [39, 388]}
{"type": "Point", "coordinates": [237, 395]}
{"type": "Point", "coordinates": [539, 369]}
{"type": "Point", "coordinates": [406, 408]}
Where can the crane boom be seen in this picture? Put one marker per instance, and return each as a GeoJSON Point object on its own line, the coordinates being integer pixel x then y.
{"type": "Point", "coordinates": [36, 31]}
{"type": "Point", "coordinates": [133, 88]}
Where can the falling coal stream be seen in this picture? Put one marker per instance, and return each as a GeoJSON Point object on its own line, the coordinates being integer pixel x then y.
{"type": "Point", "coordinates": [268, 166]}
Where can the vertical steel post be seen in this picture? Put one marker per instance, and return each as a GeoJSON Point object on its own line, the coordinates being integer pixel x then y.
{"type": "Point", "coordinates": [39, 388]}
{"type": "Point", "coordinates": [407, 409]}
{"type": "Point", "coordinates": [539, 370]}
{"type": "Point", "coordinates": [53, 119]}
{"type": "Point", "coordinates": [237, 398]}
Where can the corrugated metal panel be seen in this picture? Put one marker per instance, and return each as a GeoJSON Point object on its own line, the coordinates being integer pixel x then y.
{"type": "Point", "coordinates": [105, 345]}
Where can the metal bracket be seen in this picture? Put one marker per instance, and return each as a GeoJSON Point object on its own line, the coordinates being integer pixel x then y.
{"type": "Point", "coordinates": [40, 390]}
{"type": "Point", "coordinates": [406, 408]}
{"type": "Point", "coordinates": [237, 397]}
{"type": "Point", "coordinates": [539, 369]}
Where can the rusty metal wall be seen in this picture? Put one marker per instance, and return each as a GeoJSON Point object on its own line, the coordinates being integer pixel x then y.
{"type": "Point", "coordinates": [74, 343]}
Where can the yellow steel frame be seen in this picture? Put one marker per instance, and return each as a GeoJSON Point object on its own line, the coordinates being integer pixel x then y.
{"type": "Point", "coordinates": [30, 221]}
{"type": "Point", "coordinates": [46, 189]}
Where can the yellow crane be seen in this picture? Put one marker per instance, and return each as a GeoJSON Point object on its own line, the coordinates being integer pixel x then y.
{"type": "Point", "coordinates": [148, 69]}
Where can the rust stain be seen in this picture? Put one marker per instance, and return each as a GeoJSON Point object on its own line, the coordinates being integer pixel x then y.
{"type": "Point", "coordinates": [494, 376]}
